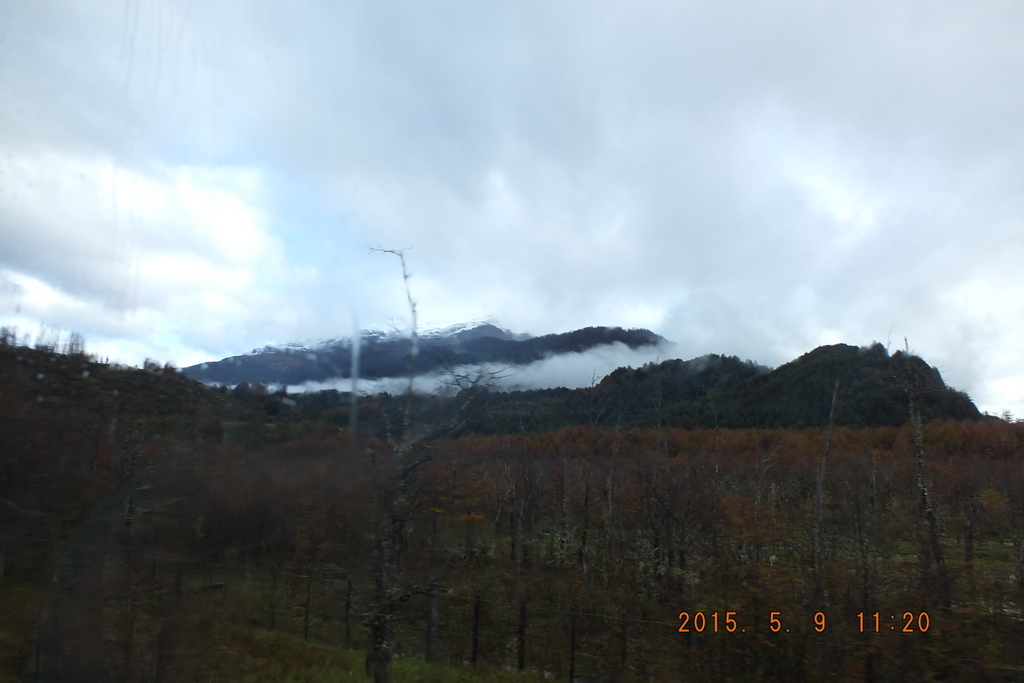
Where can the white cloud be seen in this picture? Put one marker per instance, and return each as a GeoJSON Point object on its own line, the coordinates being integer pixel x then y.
{"type": "Point", "coordinates": [201, 180]}
{"type": "Point", "coordinates": [114, 252]}
{"type": "Point", "coordinates": [572, 370]}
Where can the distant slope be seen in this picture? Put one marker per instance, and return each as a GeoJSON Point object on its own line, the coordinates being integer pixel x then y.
{"type": "Point", "coordinates": [704, 392]}
{"type": "Point", "coordinates": [383, 355]}
{"type": "Point", "coordinates": [799, 393]}
{"type": "Point", "coordinates": [727, 392]}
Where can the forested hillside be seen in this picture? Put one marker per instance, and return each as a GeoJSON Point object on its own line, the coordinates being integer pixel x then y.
{"type": "Point", "coordinates": [722, 391]}
{"type": "Point", "coordinates": [152, 528]}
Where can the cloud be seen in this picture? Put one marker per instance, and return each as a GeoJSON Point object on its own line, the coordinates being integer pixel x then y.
{"type": "Point", "coordinates": [571, 370]}
{"type": "Point", "coordinates": [118, 253]}
{"type": "Point", "coordinates": [198, 180]}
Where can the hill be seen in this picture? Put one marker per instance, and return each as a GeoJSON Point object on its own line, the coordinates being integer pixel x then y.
{"type": "Point", "coordinates": [706, 392]}
{"type": "Point", "coordinates": [723, 391]}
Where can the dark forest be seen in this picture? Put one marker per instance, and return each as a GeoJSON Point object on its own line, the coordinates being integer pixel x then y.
{"type": "Point", "coordinates": [844, 517]}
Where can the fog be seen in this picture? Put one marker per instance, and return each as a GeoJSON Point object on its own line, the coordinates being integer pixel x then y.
{"type": "Point", "coordinates": [571, 370]}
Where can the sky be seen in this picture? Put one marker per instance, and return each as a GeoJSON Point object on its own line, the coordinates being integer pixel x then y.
{"type": "Point", "coordinates": [186, 180]}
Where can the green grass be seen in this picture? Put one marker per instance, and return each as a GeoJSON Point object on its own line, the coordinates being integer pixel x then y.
{"type": "Point", "coordinates": [218, 648]}
{"type": "Point", "coordinates": [255, 655]}
{"type": "Point", "coordinates": [416, 670]}
{"type": "Point", "coordinates": [250, 655]}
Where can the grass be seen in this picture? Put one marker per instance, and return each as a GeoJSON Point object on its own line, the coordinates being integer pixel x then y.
{"type": "Point", "coordinates": [250, 655]}
{"type": "Point", "coordinates": [224, 649]}
{"type": "Point", "coordinates": [254, 655]}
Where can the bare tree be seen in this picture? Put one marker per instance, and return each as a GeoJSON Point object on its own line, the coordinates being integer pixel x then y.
{"type": "Point", "coordinates": [766, 460]}
{"type": "Point", "coordinates": [395, 501]}
{"type": "Point", "coordinates": [390, 518]}
{"type": "Point", "coordinates": [818, 495]}
{"type": "Point", "coordinates": [910, 381]}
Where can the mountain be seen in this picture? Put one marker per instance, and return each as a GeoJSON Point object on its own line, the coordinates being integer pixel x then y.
{"type": "Point", "coordinates": [706, 392]}
{"type": "Point", "coordinates": [872, 391]}
{"type": "Point", "coordinates": [388, 355]}
{"type": "Point", "coordinates": [724, 391]}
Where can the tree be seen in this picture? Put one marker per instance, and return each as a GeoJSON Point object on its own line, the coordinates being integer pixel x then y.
{"type": "Point", "coordinates": [818, 494]}
{"type": "Point", "coordinates": [395, 502]}
{"type": "Point", "coordinates": [910, 380]}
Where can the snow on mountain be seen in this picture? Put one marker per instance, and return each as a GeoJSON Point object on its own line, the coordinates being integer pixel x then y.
{"type": "Point", "coordinates": [459, 332]}
{"type": "Point", "coordinates": [386, 354]}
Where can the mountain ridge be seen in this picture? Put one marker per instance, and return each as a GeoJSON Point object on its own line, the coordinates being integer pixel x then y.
{"type": "Point", "coordinates": [708, 392]}
{"type": "Point", "coordinates": [723, 391]}
{"type": "Point", "coordinates": [389, 354]}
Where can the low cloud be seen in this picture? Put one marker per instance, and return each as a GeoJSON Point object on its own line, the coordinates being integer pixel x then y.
{"type": "Point", "coordinates": [570, 370]}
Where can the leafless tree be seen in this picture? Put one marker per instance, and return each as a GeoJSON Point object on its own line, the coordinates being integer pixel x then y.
{"type": "Point", "coordinates": [467, 377]}
{"type": "Point", "coordinates": [818, 495]}
{"type": "Point", "coordinates": [395, 499]}
{"type": "Point", "coordinates": [908, 378]}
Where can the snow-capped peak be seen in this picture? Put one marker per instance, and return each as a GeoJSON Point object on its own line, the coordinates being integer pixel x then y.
{"type": "Point", "coordinates": [456, 333]}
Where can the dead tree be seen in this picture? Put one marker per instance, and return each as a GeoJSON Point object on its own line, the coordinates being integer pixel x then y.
{"type": "Point", "coordinates": [909, 379]}
{"type": "Point", "coordinates": [818, 495]}
{"type": "Point", "coordinates": [394, 500]}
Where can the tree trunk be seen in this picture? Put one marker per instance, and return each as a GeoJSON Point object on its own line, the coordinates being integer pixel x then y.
{"type": "Point", "coordinates": [476, 628]}
{"type": "Point", "coordinates": [572, 646]}
{"type": "Point", "coordinates": [433, 646]}
{"type": "Point", "coordinates": [348, 612]}
{"type": "Point", "coordinates": [969, 542]}
{"type": "Point", "coordinates": [818, 495]}
{"type": "Point", "coordinates": [933, 557]}
{"type": "Point", "coordinates": [623, 646]}
{"type": "Point", "coordinates": [378, 659]}
{"type": "Point", "coordinates": [305, 616]}
{"type": "Point", "coordinates": [583, 534]}
{"type": "Point", "coordinates": [521, 663]}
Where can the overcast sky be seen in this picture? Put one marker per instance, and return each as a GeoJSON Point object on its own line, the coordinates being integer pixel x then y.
{"type": "Point", "coordinates": [190, 179]}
